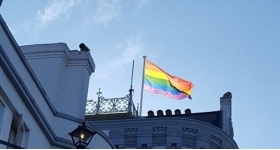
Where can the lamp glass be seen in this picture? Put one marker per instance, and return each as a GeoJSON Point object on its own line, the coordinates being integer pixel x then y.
{"type": "Point", "coordinates": [82, 136]}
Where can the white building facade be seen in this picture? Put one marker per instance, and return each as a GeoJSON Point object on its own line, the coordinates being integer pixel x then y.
{"type": "Point", "coordinates": [43, 91]}
{"type": "Point", "coordinates": [202, 130]}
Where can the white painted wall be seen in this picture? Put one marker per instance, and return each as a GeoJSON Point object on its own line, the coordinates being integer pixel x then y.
{"type": "Point", "coordinates": [6, 122]}
{"type": "Point", "coordinates": [65, 85]}
{"type": "Point", "coordinates": [25, 76]}
{"type": "Point", "coordinates": [64, 74]}
{"type": "Point", "coordinates": [36, 133]}
{"type": "Point", "coordinates": [98, 142]}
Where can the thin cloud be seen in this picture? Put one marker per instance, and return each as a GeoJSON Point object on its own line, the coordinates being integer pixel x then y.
{"type": "Point", "coordinates": [106, 11]}
{"type": "Point", "coordinates": [132, 49]}
{"type": "Point", "coordinates": [54, 11]}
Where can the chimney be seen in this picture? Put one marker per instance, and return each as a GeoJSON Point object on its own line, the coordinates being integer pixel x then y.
{"type": "Point", "coordinates": [177, 112]}
{"type": "Point", "coordinates": [151, 113]}
{"type": "Point", "coordinates": [168, 112]}
{"type": "Point", "coordinates": [225, 103]}
{"type": "Point", "coordinates": [159, 113]}
{"type": "Point", "coordinates": [64, 75]}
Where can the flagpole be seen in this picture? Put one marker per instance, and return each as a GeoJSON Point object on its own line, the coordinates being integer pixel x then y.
{"type": "Point", "coordinates": [131, 92]}
{"type": "Point", "coordinates": [142, 87]}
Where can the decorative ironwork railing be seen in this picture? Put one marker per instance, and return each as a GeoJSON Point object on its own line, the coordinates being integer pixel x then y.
{"type": "Point", "coordinates": [111, 105]}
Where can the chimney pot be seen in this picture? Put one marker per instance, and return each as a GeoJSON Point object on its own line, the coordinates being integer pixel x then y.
{"type": "Point", "coordinates": [159, 113]}
{"type": "Point", "coordinates": [177, 112]}
{"type": "Point", "coordinates": [168, 112]}
{"type": "Point", "coordinates": [150, 113]}
{"type": "Point", "coordinates": [188, 111]}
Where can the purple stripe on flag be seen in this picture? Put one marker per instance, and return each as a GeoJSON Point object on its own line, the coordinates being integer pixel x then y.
{"type": "Point", "coordinates": [165, 93]}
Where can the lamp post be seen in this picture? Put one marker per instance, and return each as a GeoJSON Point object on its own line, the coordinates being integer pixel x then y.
{"type": "Point", "coordinates": [82, 136]}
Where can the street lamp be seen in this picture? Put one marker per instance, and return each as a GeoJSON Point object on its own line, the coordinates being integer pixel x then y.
{"type": "Point", "coordinates": [82, 136]}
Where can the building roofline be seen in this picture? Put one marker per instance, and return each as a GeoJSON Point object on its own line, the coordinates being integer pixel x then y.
{"type": "Point", "coordinates": [58, 50]}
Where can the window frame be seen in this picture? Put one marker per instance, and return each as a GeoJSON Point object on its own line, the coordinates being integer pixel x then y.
{"type": "Point", "coordinates": [2, 112]}
{"type": "Point", "coordinates": [21, 131]}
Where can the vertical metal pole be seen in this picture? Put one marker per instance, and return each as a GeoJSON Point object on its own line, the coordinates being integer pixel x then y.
{"type": "Point", "coordinates": [132, 74]}
{"type": "Point", "coordinates": [141, 98]}
{"type": "Point", "coordinates": [130, 91]}
{"type": "Point", "coordinates": [98, 101]}
{"type": "Point", "coordinates": [137, 111]}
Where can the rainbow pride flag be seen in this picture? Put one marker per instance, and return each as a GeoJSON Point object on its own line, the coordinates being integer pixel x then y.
{"type": "Point", "coordinates": [158, 81]}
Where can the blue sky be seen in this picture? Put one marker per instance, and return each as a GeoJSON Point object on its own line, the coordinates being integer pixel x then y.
{"type": "Point", "coordinates": [220, 46]}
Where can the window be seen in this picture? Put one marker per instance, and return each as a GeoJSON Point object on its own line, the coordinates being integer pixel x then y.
{"type": "Point", "coordinates": [13, 133]}
{"type": "Point", "coordinates": [23, 135]}
{"type": "Point", "coordinates": [130, 141]}
{"type": "Point", "coordinates": [2, 111]}
{"type": "Point", "coordinates": [188, 141]}
{"type": "Point", "coordinates": [159, 139]}
{"type": "Point", "coordinates": [19, 132]}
